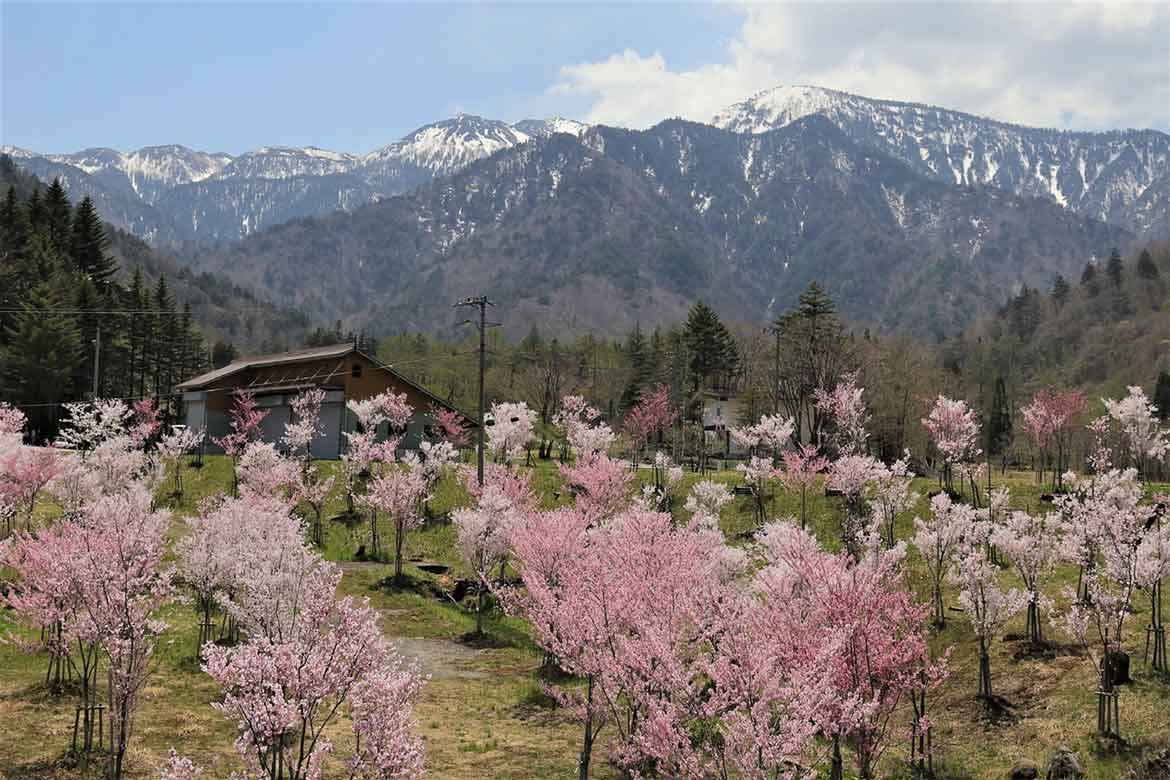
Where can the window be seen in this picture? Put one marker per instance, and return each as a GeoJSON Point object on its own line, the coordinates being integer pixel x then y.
{"type": "Point", "coordinates": [357, 371]}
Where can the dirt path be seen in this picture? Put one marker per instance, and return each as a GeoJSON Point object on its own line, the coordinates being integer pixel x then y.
{"type": "Point", "coordinates": [442, 659]}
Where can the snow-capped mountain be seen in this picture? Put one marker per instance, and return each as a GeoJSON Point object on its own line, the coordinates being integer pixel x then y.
{"type": "Point", "coordinates": [543, 128]}
{"type": "Point", "coordinates": [284, 162]}
{"type": "Point", "coordinates": [1102, 175]}
{"type": "Point", "coordinates": [169, 194]}
{"type": "Point", "coordinates": [444, 147]}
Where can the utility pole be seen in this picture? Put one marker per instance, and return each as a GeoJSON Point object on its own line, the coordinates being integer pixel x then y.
{"type": "Point", "coordinates": [482, 303]}
{"type": "Point", "coordinates": [97, 360]}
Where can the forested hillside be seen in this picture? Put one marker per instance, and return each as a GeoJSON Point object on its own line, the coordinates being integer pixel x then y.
{"type": "Point", "coordinates": [79, 298]}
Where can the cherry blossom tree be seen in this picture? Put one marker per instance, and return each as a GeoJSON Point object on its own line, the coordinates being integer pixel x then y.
{"type": "Point", "coordinates": [265, 472]}
{"type": "Point", "coordinates": [757, 473]}
{"type": "Point", "coordinates": [511, 431]}
{"type": "Point", "coordinates": [25, 472]}
{"type": "Point", "coordinates": [986, 604]}
{"type": "Point", "coordinates": [89, 424]}
{"type": "Point", "coordinates": [801, 467]}
{"type": "Point", "coordinates": [450, 427]}
{"type": "Point", "coordinates": [601, 485]}
{"type": "Point", "coordinates": [705, 502]}
{"type": "Point", "coordinates": [648, 418]}
{"type": "Point", "coordinates": [769, 434]}
{"type": "Point", "coordinates": [312, 490]}
{"type": "Point", "coordinates": [954, 430]}
{"type": "Point", "coordinates": [891, 496]}
{"type": "Point", "coordinates": [12, 420]}
{"type": "Point", "coordinates": [1152, 567]}
{"type": "Point", "coordinates": [483, 534]}
{"type": "Point", "coordinates": [1097, 622]}
{"type": "Point", "coordinates": [173, 447]}
{"type": "Point", "coordinates": [312, 655]}
{"type": "Point", "coordinates": [398, 493]}
{"type": "Point", "coordinates": [145, 422]}
{"type": "Point", "coordinates": [123, 586]}
{"type": "Point", "coordinates": [938, 537]}
{"type": "Point", "coordinates": [858, 618]}
{"type": "Point", "coordinates": [582, 427]}
{"type": "Point", "coordinates": [665, 476]}
{"type": "Point", "coordinates": [1050, 420]}
{"type": "Point", "coordinates": [1138, 419]}
{"type": "Point", "coordinates": [304, 426]}
{"type": "Point", "coordinates": [1032, 544]}
{"type": "Point", "coordinates": [845, 406]}
{"type": "Point", "coordinates": [851, 476]}
{"type": "Point", "coordinates": [246, 419]}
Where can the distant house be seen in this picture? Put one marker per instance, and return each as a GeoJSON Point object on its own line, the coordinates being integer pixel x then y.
{"type": "Point", "coordinates": [344, 372]}
{"type": "Point", "coordinates": [721, 413]}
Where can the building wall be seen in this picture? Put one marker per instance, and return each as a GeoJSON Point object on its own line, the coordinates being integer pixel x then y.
{"type": "Point", "coordinates": [209, 409]}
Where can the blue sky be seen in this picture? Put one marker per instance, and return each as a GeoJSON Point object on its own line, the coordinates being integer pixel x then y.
{"type": "Point", "coordinates": [352, 77]}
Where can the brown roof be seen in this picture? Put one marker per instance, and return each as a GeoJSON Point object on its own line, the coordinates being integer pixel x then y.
{"type": "Point", "coordinates": [260, 361]}
{"type": "Point", "coordinates": [306, 355]}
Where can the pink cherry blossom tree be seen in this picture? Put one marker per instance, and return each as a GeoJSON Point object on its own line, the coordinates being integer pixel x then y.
{"type": "Point", "coordinates": [145, 422]}
{"type": "Point", "coordinates": [986, 604]}
{"type": "Point", "coordinates": [1138, 421]}
{"type": "Point", "coordinates": [172, 449]}
{"type": "Point", "coordinates": [858, 618]}
{"type": "Point", "coordinates": [483, 534]}
{"type": "Point", "coordinates": [582, 427]}
{"type": "Point", "coordinates": [844, 405]}
{"type": "Point", "coordinates": [25, 472]}
{"type": "Point", "coordinates": [1049, 421]}
{"type": "Point", "coordinates": [309, 658]}
{"type": "Point", "coordinates": [938, 537]}
{"type": "Point", "coordinates": [304, 426]}
{"type": "Point", "coordinates": [891, 496]}
{"type": "Point", "coordinates": [954, 431]}
{"type": "Point", "coordinates": [1031, 543]}
{"type": "Point", "coordinates": [1152, 567]}
{"type": "Point", "coordinates": [511, 431]}
{"type": "Point", "coordinates": [601, 485]}
{"type": "Point", "coordinates": [705, 503]}
{"type": "Point", "coordinates": [757, 474]}
{"type": "Point", "coordinates": [398, 493]}
{"type": "Point", "coordinates": [265, 472]}
{"type": "Point", "coordinates": [801, 467]}
{"type": "Point", "coordinates": [246, 419]}
{"type": "Point", "coordinates": [451, 428]}
{"type": "Point", "coordinates": [648, 418]}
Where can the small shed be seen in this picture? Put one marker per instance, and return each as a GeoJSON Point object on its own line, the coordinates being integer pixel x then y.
{"type": "Point", "coordinates": [342, 371]}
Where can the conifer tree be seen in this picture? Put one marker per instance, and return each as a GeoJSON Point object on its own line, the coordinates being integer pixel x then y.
{"type": "Point", "coordinates": [1089, 280]}
{"type": "Point", "coordinates": [88, 245]}
{"type": "Point", "coordinates": [639, 363]}
{"type": "Point", "coordinates": [165, 324]}
{"type": "Point", "coordinates": [1114, 269]}
{"type": "Point", "coordinates": [1146, 268]}
{"type": "Point", "coordinates": [1161, 397]}
{"type": "Point", "coordinates": [1060, 291]}
{"type": "Point", "coordinates": [43, 349]}
{"type": "Point", "coordinates": [999, 423]}
{"type": "Point", "coordinates": [58, 217]}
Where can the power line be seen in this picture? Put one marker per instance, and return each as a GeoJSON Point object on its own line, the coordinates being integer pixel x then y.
{"type": "Point", "coordinates": [481, 302]}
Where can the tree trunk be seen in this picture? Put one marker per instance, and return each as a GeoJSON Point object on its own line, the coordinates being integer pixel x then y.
{"type": "Point", "coordinates": [587, 742]}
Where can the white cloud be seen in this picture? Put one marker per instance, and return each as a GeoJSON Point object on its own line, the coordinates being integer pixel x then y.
{"type": "Point", "coordinates": [1077, 65]}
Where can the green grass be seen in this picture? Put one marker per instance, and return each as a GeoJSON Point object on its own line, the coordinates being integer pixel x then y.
{"type": "Point", "coordinates": [484, 712]}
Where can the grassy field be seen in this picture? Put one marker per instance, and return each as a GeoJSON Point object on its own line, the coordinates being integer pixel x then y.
{"type": "Point", "coordinates": [483, 714]}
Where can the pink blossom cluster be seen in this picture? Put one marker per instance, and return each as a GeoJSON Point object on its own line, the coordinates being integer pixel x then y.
{"type": "Point", "coordinates": [649, 417]}
{"type": "Point", "coordinates": [845, 406]}
{"type": "Point", "coordinates": [582, 427]}
{"type": "Point", "coordinates": [954, 430]}
{"type": "Point", "coordinates": [512, 429]}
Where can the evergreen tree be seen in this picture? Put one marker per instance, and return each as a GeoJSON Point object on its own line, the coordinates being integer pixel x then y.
{"type": "Point", "coordinates": [88, 245]}
{"type": "Point", "coordinates": [711, 347]}
{"type": "Point", "coordinates": [638, 360]}
{"type": "Point", "coordinates": [1146, 268]}
{"type": "Point", "coordinates": [1115, 269]}
{"type": "Point", "coordinates": [999, 423]}
{"type": "Point", "coordinates": [1089, 280]}
{"type": "Point", "coordinates": [1161, 397]}
{"type": "Point", "coordinates": [165, 337]}
{"type": "Point", "coordinates": [1060, 291]}
{"type": "Point", "coordinates": [58, 217]}
{"type": "Point", "coordinates": [43, 347]}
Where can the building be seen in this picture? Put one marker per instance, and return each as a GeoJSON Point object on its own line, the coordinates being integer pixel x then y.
{"type": "Point", "coordinates": [721, 413]}
{"type": "Point", "coordinates": [344, 372]}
